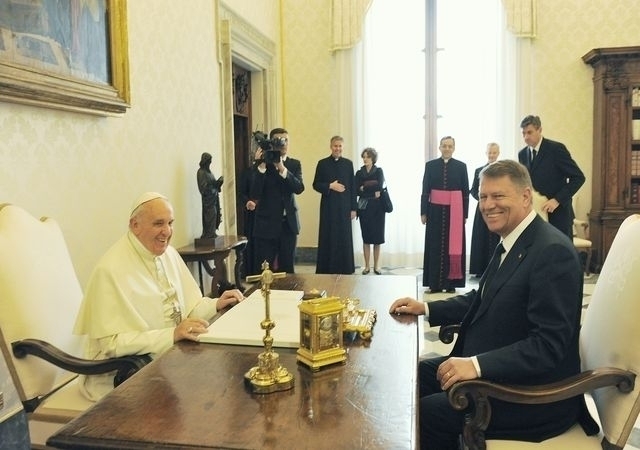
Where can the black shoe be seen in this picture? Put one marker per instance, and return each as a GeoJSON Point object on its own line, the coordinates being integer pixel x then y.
{"type": "Point", "coordinates": [377, 272]}
{"type": "Point", "coordinates": [434, 291]}
{"type": "Point", "coordinates": [451, 291]}
{"type": "Point", "coordinates": [365, 272]}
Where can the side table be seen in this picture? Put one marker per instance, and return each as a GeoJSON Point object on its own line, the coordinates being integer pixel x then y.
{"type": "Point", "coordinates": [217, 253]}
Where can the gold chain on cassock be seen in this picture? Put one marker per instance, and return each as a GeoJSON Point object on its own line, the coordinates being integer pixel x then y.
{"type": "Point", "coordinates": [171, 298]}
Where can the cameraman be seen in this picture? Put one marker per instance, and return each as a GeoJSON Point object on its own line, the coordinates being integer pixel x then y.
{"type": "Point", "coordinates": [276, 179]}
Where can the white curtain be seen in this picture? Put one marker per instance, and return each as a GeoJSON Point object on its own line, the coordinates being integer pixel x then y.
{"type": "Point", "coordinates": [475, 103]}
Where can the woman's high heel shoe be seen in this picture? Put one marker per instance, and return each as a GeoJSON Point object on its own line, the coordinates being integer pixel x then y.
{"type": "Point", "coordinates": [365, 271]}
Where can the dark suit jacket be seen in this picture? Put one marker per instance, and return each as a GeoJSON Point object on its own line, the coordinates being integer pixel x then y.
{"type": "Point", "coordinates": [525, 328]}
{"type": "Point", "coordinates": [275, 197]}
{"type": "Point", "coordinates": [475, 186]}
{"type": "Point", "coordinates": [555, 174]}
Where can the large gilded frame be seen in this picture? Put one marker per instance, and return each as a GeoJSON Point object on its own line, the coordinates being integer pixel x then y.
{"type": "Point", "coordinates": [20, 83]}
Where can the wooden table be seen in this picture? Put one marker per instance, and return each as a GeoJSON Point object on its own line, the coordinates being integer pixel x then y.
{"type": "Point", "coordinates": [217, 253]}
{"type": "Point", "coordinates": [194, 396]}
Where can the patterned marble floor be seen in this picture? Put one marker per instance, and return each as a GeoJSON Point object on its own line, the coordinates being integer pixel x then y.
{"type": "Point", "coordinates": [432, 345]}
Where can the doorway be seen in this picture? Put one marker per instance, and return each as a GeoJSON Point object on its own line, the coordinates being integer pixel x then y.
{"type": "Point", "coordinates": [243, 157]}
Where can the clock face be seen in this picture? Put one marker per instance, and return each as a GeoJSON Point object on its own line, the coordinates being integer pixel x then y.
{"type": "Point", "coordinates": [326, 323]}
{"type": "Point", "coordinates": [328, 332]}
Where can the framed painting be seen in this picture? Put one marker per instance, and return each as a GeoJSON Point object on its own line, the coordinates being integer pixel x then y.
{"type": "Point", "coordinates": [65, 54]}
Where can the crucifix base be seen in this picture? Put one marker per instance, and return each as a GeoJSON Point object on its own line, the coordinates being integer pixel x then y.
{"type": "Point", "coordinates": [268, 376]}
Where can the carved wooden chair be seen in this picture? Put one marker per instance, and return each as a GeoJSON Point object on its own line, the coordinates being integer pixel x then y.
{"type": "Point", "coordinates": [39, 299]}
{"type": "Point", "coordinates": [610, 361]}
{"type": "Point", "coordinates": [582, 242]}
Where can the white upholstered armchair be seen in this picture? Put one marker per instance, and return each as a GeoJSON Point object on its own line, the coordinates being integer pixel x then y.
{"type": "Point", "coordinates": [39, 299]}
{"type": "Point", "coordinates": [610, 356]}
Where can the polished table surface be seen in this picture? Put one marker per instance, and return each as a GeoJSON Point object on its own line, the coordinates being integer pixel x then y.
{"type": "Point", "coordinates": [194, 395]}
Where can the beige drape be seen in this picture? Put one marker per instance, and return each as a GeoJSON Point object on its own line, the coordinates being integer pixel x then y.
{"type": "Point", "coordinates": [347, 19]}
{"type": "Point", "coordinates": [521, 17]}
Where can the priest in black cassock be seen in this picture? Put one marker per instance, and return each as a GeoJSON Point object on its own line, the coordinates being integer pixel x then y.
{"type": "Point", "coordinates": [335, 180]}
{"type": "Point", "coordinates": [483, 241]}
{"type": "Point", "coordinates": [444, 207]}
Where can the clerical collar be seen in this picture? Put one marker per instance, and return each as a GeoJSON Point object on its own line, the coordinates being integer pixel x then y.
{"type": "Point", "coordinates": [446, 160]}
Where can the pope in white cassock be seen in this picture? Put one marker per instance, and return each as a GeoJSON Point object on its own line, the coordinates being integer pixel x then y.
{"type": "Point", "coordinates": [141, 297]}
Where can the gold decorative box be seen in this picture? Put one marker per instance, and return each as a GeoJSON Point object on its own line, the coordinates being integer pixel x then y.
{"type": "Point", "coordinates": [358, 320]}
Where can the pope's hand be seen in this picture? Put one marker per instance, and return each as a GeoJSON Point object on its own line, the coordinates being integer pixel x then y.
{"type": "Point", "coordinates": [230, 297]}
{"type": "Point", "coordinates": [189, 329]}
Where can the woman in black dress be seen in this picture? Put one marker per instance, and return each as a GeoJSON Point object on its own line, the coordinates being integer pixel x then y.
{"type": "Point", "coordinates": [483, 241]}
{"type": "Point", "coordinates": [369, 184]}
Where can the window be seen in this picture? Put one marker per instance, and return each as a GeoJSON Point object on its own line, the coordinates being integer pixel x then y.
{"type": "Point", "coordinates": [473, 92]}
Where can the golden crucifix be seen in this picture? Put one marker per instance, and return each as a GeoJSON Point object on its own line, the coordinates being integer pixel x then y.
{"type": "Point", "coordinates": [268, 376]}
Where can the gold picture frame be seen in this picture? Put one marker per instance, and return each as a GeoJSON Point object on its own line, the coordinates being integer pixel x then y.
{"type": "Point", "coordinates": [73, 58]}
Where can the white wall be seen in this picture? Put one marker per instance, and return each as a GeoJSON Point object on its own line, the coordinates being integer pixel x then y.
{"type": "Point", "coordinates": [85, 171]}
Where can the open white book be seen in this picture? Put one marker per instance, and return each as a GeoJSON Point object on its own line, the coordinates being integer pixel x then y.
{"type": "Point", "coordinates": [241, 324]}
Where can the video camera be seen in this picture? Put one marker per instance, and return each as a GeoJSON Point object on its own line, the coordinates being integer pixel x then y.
{"type": "Point", "coordinates": [270, 147]}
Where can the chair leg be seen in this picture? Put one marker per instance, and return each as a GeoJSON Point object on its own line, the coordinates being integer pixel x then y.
{"type": "Point", "coordinates": [587, 265]}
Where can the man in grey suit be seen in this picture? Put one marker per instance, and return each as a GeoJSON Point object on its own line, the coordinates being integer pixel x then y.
{"type": "Point", "coordinates": [274, 184]}
{"type": "Point", "coordinates": [520, 327]}
{"type": "Point", "coordinates": [553, 172]}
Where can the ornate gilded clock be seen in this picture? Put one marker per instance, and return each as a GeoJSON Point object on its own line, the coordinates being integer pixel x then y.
{"type": "Point", "coordinates": [321, 326]}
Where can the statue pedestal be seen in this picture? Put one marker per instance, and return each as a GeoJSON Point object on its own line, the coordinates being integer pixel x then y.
{"type": "Point", "coordinates": [205, 242]}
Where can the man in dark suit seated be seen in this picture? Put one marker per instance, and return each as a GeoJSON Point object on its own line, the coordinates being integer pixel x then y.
{"type": "Point", "coordinates": [520, 326]}
{"type": "Point", "coordinates": [554, 174]}
{"type": "Point", "coordinates": [276, 179]}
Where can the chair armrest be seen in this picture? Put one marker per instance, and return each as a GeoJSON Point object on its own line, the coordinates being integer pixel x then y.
{"type": "Point", "coordinates": [447, 332]}
{"type": "Point", "coordinates": [476, 393]}
{"type": "Point", "coordinates": [581, 224]}
{"type": "Point", "coordinates": [125, 366]}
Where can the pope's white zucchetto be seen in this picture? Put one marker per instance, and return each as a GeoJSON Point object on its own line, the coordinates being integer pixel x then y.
{"type": "Point", "coordinates": [144, 198]}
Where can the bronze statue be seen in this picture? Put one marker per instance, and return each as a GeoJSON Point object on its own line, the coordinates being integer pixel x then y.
{"type": "Point", "coordinates": [210, 189]}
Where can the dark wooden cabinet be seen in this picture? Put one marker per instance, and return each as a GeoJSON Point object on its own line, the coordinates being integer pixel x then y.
{"type": "Point", "coordinates": [616, 143]}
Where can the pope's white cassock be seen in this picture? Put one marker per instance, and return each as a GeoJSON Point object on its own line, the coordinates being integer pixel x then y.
{"type": "Point", "coordinates": [132, 304]}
